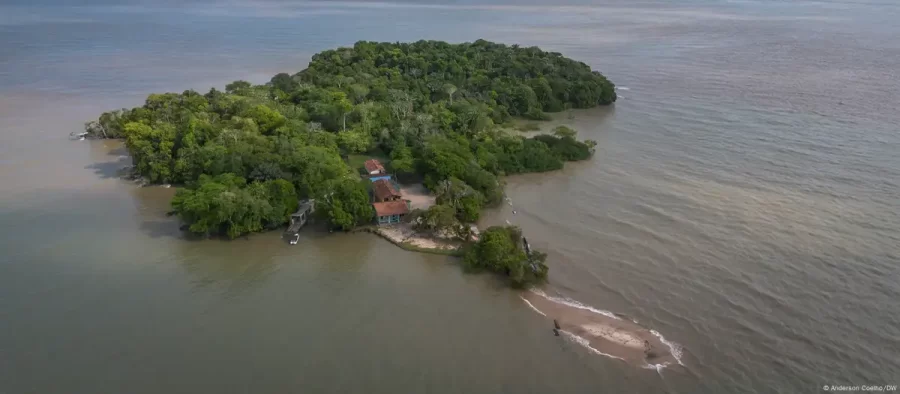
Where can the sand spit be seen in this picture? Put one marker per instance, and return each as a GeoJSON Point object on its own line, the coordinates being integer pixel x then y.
{"type": "Point", "coordinates": [605, 333]}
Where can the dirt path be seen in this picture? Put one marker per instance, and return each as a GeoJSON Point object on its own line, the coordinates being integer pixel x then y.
{"type": "Point", "coordinates": [418, 196]}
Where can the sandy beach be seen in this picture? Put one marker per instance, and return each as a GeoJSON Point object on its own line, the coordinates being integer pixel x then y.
{"type": "Point", "coordinates": [604, 332]}
{"type": "Point", "coordinates": [405, 236]}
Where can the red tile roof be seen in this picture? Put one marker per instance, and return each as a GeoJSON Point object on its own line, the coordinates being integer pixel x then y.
{"type": "Point", "coordinates": [373, 165]}
{"type": "Point", "coordinates": [388, 208]}
{"type": "Point", "coordinates": [384, 190]}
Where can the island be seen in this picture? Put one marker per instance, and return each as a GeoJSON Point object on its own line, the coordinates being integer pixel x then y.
{"type": "Point", "coordinates": [354, 127]}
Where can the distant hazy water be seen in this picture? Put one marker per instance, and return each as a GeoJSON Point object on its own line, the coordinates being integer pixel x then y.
{"type": "Point", "coordinates": [743, 201]}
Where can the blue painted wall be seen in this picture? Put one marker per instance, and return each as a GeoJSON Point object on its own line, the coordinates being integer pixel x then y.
{"type": "Point", "coordinates": [390, 219]}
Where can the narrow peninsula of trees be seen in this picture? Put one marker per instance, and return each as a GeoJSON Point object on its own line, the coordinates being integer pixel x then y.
{"type": "Point", "coordinates": [500, 250]}
{"type": "Point", "coordinates": [247, 154]}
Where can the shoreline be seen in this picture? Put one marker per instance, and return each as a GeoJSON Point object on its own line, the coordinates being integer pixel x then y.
{"type": "Point", "coordinates": [403, 236]}
{"type": "Point", "coordinates": [606, 333]}
{"type": "Point", "coordinates": [414, 241]}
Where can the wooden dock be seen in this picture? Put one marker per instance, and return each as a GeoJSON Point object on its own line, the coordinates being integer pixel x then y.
{"type": "Point", "coordinates": [302, 216]}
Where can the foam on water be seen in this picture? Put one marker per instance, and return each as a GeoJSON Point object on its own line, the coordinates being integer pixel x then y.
{"type": "Point", "coordinates": [533, 307]}
{"type": "Point", "coordinates": [674, 348]}
{"type": "Point", "coordinates": [575, 304]}
{"type": "Point", "coordinates": [587, 344]}
{"type": "Point", "coordinates": [657, 367]}
{"type": "Point", "coordinates": [622, 88]}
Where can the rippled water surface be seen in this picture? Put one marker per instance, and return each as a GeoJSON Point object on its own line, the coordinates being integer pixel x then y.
{"type": "Point", "coordinates": [743, 202]}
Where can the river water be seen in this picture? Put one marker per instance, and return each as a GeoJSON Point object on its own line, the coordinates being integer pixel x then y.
{"type": "Point", "coordinates": [743, 202]}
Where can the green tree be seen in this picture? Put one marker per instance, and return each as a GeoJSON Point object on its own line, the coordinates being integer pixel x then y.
{"type": "Point", "coordinates": [568, 148]}
{"type": "Point", "coordinates": [402, 159]}
{"type": "Point", "coordinates": [283, 82]}
{"type": "Point", "coordinates": [450, 89]}
{"type": "Point", "coordinates": [151, 149]}
{"type": "Point", "coordinates": [347, 205]}
{"type": "Point", "coordinates": [343, 105]}
{"type": "Point", "coordinates": [537, 157]}
{"type": "Point", "coordinates": [237, 87]}
{"type": "Point", "coordinates": [468, 209]}
{"type": "Point", "coordinates": [282, 196]}
{"type": "Point", "coordinates": [465, 201]}
{"type": "Point", "coordinates": [366, 113]}
{"type": "Point", "coordinates": [397, 97]}
{"type": "Point", "coordinates": [438, 218]}
{"type": "Point", "coordinates": [358, 93]}
{"type": "Point", "coordinates": [266, 118]}
{"type": "Point", "coordinates": [498, 250]}
{"type": "Point", "coordinates": [109, 125]}
{"type": "Point", "coordinates": [227, 205]}
{"type": "Point", "coordinates": [313, 167]}
{"type": "Point", "coordinates": [563, 131]}
{"type": "Point", "coordinates": [354, 141]}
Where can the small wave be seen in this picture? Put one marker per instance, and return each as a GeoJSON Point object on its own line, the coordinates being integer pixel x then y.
{"type": "Point", "coordinates": [622, 88]}
{"type": "Point", "coordinates": [533, 307]}
{"type": "Point", "coordinates": [508, 222]}
{"type": "Point", "coordinates": [620, 96]}
{"type": "Point", "coordinates": [657, 367]}
{"type": "Point", "coordinates": [674, 348]}
{"type": "Point", "coordinates": [575, 304]}
{"type": "Point", "coordinates": [584, 342]}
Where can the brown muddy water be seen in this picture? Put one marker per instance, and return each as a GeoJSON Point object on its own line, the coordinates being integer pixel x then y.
{"type": "Point", "coordinates": [742, 209]}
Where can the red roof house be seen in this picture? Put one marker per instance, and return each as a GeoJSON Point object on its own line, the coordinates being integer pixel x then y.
{"type": "Point", "coordinates": [373, 167]}
{"type": "Point", "coordinates": [390, 212]}
{"type": "Point", "coordinates": [384, 190]}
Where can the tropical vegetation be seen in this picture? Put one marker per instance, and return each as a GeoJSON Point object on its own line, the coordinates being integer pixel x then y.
{"type": "Point", "coordinates": [246, 154]}
{"type": "Point", "coordinates": [500, 250]}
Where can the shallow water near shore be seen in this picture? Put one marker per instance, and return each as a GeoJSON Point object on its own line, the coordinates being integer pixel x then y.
{"type": "Point", "coordinates": [742, 206]}
{"type": "Point", "coordinates": [605, 333]}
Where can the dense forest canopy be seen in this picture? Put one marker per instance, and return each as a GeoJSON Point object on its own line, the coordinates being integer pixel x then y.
{"type": "Point", "coordinates": [435, 109]}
